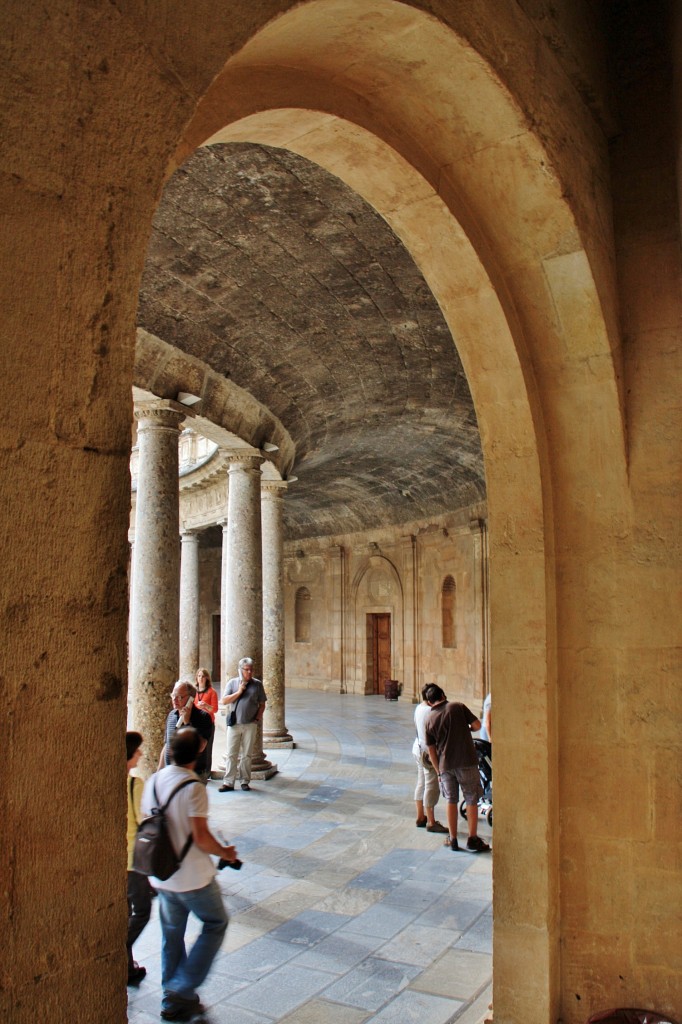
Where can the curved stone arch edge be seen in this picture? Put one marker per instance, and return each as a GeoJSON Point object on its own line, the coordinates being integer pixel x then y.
{"type": "Point", "coordinates": [531, 353]}
{"type": "Point", "coordinates": [227, 413]}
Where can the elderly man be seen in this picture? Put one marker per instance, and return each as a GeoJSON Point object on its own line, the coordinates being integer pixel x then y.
{"type": "Point", "coordinates": [185, 713]}
{"type": "Point", "coordinates": [245, 696]}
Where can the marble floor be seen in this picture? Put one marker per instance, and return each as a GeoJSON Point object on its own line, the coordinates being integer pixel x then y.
{"type": "Point", "coordinates": [344, 912]}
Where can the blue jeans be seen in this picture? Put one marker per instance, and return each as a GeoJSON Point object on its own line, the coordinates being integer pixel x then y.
{"type": "Point", "coordinates": [181, 974]}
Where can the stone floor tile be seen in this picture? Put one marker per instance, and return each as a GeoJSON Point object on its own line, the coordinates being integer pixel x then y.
{"type": "Point", "coordinates": [279, 992]}
{"type": "Point", "coordinates": [416, 945]}
{"type": "Point", "coordinates": [320, 1011]}
{"type": "Point", "coordinates": [454, 914]}
{"type": "Point", "coordinates": [381, 920]}
{"type": "Point", "coordinates": [458, 974]}
{"type": "Point", "coordinates": [308, 928]}
{"type": "Point", "coordinates": [479, 937]}
{"type": "Point", "coordinates": [339, 952]}
{"type": "Point", "coordinates": [371, 984]}
{"type": "Point", "coordinates": [411, 1007]}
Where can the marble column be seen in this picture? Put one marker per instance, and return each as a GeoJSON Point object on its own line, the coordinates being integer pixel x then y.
{"type": "Point", "coordinates": [242, 612]}
{"type": "Point", "coordinates": [275, 732]}
{"type": "Point", "coordinates": [189, 604]}
{"type": "Point", "coordinates": [156, 573]}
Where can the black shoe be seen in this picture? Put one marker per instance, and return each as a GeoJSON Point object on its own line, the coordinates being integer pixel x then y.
{"type": "Point", "coordinates": [420, 822]}
{"type": "Point", "coordinates": [245, 785]}
{"type": "Point", "coordinates": [136, 974]}
{"type": "Point", "coordinates": [227, 787]}
{"type": "Point", "coordinates": [182, 1009]}
{"type": "Point", "coordinates": [452, 844]}
{"type": "Point", "coordinates": [437, 827]}
{"type": "Point", "coordinates": [477, 845]}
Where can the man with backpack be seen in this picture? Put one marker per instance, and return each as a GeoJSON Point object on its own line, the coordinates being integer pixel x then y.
{"type": "Point", "coordinates": [192, 887]}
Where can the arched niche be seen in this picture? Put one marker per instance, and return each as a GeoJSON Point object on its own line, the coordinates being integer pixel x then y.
{"type": "Point", "coordinates": [376, 592]}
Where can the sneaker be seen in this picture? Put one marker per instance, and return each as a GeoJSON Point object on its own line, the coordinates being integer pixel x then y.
{"type": "Point", "coordinates": [437, 827]}
{"type": "Point", "coordinates": [227, 787]}
{"type": "Point", "coordinates": [420, 822]}
{"type": "Point", "coordinates": [477, 845]}
{"type": "Point", "coordinates": [136, 974]}
{"type": "Point", "coordinates": [245, 785]}
{"type": "Point", "coordinates": [452, 844]}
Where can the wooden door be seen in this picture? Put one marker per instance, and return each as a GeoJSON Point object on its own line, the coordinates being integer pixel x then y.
{"type": "Point", "coordinates": [378, 651]}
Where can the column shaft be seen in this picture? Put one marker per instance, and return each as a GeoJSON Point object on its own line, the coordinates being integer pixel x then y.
{"type": "Point", "coordinates": [156, 574]}
{"type": "Point", "coordinates": [242, 632]}
{"type": "Point", "coordinates": [189, 605]}
{"type": "Point", "coordinates": [275, 732]}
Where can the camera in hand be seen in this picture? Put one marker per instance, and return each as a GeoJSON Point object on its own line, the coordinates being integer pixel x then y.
{"type": "Point", "coordinates": [235, 864]}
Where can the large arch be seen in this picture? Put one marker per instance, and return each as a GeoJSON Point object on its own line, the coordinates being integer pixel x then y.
{"type": "Point", "coordinates": [78, 238]}
{"type": "Point", "coordinates": [508, 268]}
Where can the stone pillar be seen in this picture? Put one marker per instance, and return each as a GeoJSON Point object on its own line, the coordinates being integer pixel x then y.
{"type": "Point", "coordinates": [223, 607]}
{"type": "Point", "coordinates": [479, 532]}
{"type": "Point", "coordinates": [272, 519]}
{"type": "Point", "coordinates": [242, 589]}
{"type": "Point", "coordinates": [337, 576]}
{"type": "Point", "coordinates": [189, 604]}
{"type": "Point", "coordinates": [156, 573]}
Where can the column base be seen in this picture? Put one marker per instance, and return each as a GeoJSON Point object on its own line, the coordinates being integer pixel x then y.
{"type": "Point", "coordinates": [263, 769]}
{"type": "Point", "coordinates": [280, 741]}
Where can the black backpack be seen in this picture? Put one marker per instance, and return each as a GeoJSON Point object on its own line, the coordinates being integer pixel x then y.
{"type": "Point", "coordinates": [154, 853]}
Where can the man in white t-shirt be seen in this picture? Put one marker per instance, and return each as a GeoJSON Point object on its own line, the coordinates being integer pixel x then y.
{"type": "Point", "coordinates": [193, 888]}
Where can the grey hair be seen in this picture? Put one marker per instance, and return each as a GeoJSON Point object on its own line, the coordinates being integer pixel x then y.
{"type": "Point", "coordinates": [243, 662]}
{"type": "Point", "coordinates": [191, 688]}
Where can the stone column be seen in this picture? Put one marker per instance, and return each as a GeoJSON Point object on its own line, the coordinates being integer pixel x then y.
{"type": "Point", "coordinates": [337, 575]}
{"type": "Point", "coordinates": [479, 532]}
{"type": "Point", "coordinates": [189, 604]}
{"type": "Point", "coordinates": [272, 519]}
{"type": "Point", "coordinates": [242, 612]}
{"type": "Point", "coordinates": [156, 573]}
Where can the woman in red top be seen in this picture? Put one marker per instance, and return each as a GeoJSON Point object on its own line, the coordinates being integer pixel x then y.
{"type": "Point", "coordinates": [206, 700]}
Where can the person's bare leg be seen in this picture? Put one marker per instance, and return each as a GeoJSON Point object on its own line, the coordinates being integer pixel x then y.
{"type": "Point", "coordinates": [421, 815]}
{"type": "Point", "coordinates": [472, 819]}
{"type": "Point", "coordinates": [452, 813]}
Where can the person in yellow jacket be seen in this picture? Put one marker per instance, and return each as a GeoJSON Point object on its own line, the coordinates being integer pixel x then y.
{"type": "Point", "coordinates": [139, 890]}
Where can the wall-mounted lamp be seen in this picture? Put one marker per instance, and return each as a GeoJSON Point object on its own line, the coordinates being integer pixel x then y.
{"type": "Point", "coordinates": [268, 446]}
{"type": "Point", "coordinates": [184, 398]}
{"type": "Point", "coordinates": [292, 479]}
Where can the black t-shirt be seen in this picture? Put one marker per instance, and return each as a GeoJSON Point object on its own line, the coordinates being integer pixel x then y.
{"type": "Point", "coordinates": [447, 729]}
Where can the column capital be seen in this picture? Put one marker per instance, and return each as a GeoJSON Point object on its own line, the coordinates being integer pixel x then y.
{"type": "Point", "coordinates": [187, 534]}
{"type": "Point", "coordinates": [237, 460]}
{"type": "Point", "coordinates": [275, 488]}
{"type": "Point", "coordinates": [162, 412]}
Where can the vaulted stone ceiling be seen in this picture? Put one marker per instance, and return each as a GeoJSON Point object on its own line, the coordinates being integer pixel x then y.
{"type": "Point", "coordinates": [273, 272]}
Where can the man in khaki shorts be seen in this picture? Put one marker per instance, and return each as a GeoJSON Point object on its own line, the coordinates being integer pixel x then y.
{"type": "Point", "coordinates": [448, 728]}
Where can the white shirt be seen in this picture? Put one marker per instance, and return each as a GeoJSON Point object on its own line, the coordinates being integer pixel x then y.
{"type": "Point", "coordinates": [420, 714]}
{"type": "Point", "coordinates": [197, 868]}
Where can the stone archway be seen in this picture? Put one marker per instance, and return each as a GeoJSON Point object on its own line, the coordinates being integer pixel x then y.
{"type": "Point", "coordinates": [479, 203]}
{"type": "Point", "coordinates": [77, 242]}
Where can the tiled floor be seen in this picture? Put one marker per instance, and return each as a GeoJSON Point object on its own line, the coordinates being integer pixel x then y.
{"type": "Point", "coordinates": [344, 912]}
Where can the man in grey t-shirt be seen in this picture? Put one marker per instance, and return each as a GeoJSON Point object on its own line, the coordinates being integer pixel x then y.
{"type": "Point", "coordinates": [245, 696]}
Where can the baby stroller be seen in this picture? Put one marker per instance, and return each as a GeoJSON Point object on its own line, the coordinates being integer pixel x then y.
{"type": "Point", "coordinates": [484, 752]}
